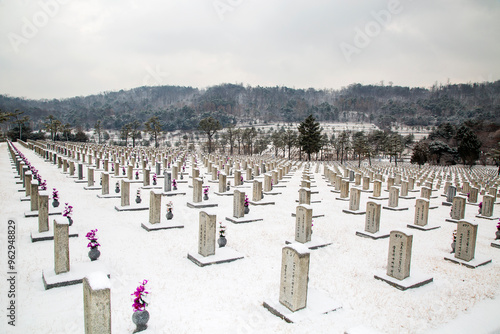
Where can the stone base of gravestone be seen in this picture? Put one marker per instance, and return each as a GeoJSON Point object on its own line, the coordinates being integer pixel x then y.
{"type": "Point", "coordinates": [495, 244]}
{"type": "Point", "coordinates": [413, 191]}
{"type": "Point", "coordinates": [345, 199]}
{"type": "Point", "coordinates": [173, 193]}
{"type": "Point", "coordinates": [397, 208]}
{"type": "Point", "coordinates": [132, 207]}
{"type": "Point", "coordinates": [226, 193]}
{"type": "Point", "coordinates": [316, 201]}
{"type": "Point", "coordinates": [272, 192]}
{"type": "Point", "coordinates": [368, 191]}
{"type": "Point", "coordinates": [473, 204]}
{"type": "Point", "coordinates": [374, 236]}
{"type": "Point", "coordinates": [92, 188]}
{"type": "Point", "coordinates": [407, 197]}
{"type": "Point", "coordinates": [380, 198]}
{"type": "Point", "coordinates": [477, 261]}
{"type": "Point", "coordinates": [455, 221]}
{"type": "Point", "coordinates": [49, 235]}
{"type": "Point", "coordinates": [153, 187]}
{"type": "Point", "coordinates": [423, 228]}
{"type": "Point", "coordinates": [489, 218]}
{"type": "Point", "coordinates": [25, 198]}
{"type": "Point", "coordinates": [81, 181]}
{"type": "Point", "coordinates": [244, 187]}
{"type": "Point", "coordinates": [114, 195]}
{"type": "Point", "coordinates": [433, 207]}
{"type": "Point", "coordinates": [315, 243]}
{"type": "Point", "coordinates": [202, 204]}
{"type": "Point", "coordinates": [74, 276]}
{"type": "Point", "coordinates": [279, 185]}
{"type": "Point", "coordinates": [262, 202]}
{"type": "Point", "coordinates": [161, 226]}
{"type": "Point", "coordinates": [354, 212]}
{"type": "Point", "coordinates": [29, 214]}
{"type": "Point", "coordinates": [415, 280]}
{"type": "Point", "coordinates": [335, 191]}
{"type": "Point", "coordinates": [447, 203]}
{"type": "Point", "coordinates": [244, 219]}
{"type": "Point", "coordinates": [222, 255]}
{"type": "Point", "coordinates": [318, 303]}
{"type": "Point", "coordinates": [317, 215]}
{"type": "Point", "coordinates": [19, 182]}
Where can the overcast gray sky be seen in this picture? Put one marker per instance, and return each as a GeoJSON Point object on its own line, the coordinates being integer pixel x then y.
{"type": "Point", "coordinates": [64, 48]}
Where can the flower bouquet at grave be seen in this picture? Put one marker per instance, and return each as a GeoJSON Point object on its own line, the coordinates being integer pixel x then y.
{"type": "Point", "coordinates": [497, 233]}
{"type": "Point", "coordinates": [174, 184]}
{"type": "Point", "coordinates": [141, 315]}
{"type": "Point", "coordinates": [55, 198]}
{"type": "Point", "coordinates": [117, 187]}
{"type": "Point", "coordinates": [94, 253]}
{"type": "Point", "coordinates": [154, 179]}
{"type": "Point", "coordinates": [43, 185]}
{"type": "Point", "coordinates": [138, 197]}
{"type": "Point", "coordinates": [205, 193]}
{"type": "Point", "coordinates": [68, 211]}
{"type": "Point", "coordinates": [468, 197]}
{"type": "Point", "coordinates": [245, 204]}
{"type": "Point", "coordinates": [228, 186]}
{"type": "Point", "coordinates": [112, 167]}
{"type": "Point", "coordinates": [137, 175]}
{"type": "Point", "coordinates": [222, 235]}
{"type": "Point", "coordinates": [480, 207]}
{"type": "Point", "coordinates": [454, 241]}
{"type": "Point", "coordinates": [241, 179]}
{"type": "Point", "coordinates": [123, 170]}
{"type": "Point", "coordinates": [170, 207]}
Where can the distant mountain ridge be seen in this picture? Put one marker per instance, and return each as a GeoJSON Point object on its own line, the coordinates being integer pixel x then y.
{"type": "Point", "coordinates": [183, 107]}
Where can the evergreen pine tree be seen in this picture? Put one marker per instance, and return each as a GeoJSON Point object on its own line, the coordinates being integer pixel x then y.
{"type": "Point", "coordinates": [310, 136]}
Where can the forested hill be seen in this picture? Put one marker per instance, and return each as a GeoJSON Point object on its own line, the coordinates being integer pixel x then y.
{"type": "Point", "coordinates": [183, 107]}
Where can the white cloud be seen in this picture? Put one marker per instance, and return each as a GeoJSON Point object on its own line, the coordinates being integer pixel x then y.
{"type": "Point", "coordinates": [92, 46]}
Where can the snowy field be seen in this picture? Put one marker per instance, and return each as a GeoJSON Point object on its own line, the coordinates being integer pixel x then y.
{"type": "Point", "coordinates": [227, 298]}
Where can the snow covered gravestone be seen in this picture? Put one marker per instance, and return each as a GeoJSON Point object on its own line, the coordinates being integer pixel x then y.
{"type": "Point", "coordinates": [294, 277]}
{"type": "Point", "coordinates": [238, 204]}
{"type": "Point", "coordinates": [399, 258]}
{"type": "Point", "coordinates": [457, 209]}
{"type": "Point", "coordinates": [303, 224]}
{"type": "Point", "coordinates": [304, 196]}
{"type": "Point", "coordinates": [206, 234]}
{"type": "Point", "coordinates": [466, 240]}
{"type": "Point", "coordinates": [97, 303]}
{"type": "Point", "coordinates": [257, 191]}
{"type": "Point", "coordinates": [372, 221]}
{"type": "Point", "coordinates": [61, 246]}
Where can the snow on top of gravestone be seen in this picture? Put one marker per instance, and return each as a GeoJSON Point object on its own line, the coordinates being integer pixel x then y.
{"type": "Point", "coordinates": [305, 206]}
{"type": "Point", "coordinates": [299, 248]}
{"type": "Point", "coordinates": [43, 193]}
{"type": "Point", "coordinates": [98, 280]}
{"type": "Point", "coordinates": [61, 220]}
{"type": "Point", "coordinates": [405, 231]}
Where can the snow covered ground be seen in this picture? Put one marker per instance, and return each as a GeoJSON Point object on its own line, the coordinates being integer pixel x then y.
{"type": "Point", "coordinates": [227, 298]}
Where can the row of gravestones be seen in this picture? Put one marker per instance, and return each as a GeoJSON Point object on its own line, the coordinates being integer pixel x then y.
{"type": "Point", "coordinates": [293, 286]}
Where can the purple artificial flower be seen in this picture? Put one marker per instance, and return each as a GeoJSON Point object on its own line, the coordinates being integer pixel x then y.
{"type": "Point", "coordinates": [139, 303]}
{"type": "Point", "coordinates": [92, 238]}
{"type": "Point", "coordinates": [68, 210]}
{"type": "Point", "coordinates": [55, 194]}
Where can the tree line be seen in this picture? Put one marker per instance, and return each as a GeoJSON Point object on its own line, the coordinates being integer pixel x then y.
{"type": "Point", "coordinates": [182, 108]}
